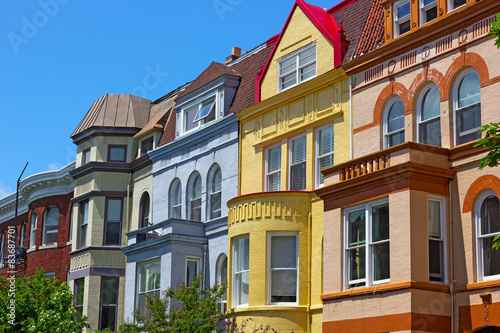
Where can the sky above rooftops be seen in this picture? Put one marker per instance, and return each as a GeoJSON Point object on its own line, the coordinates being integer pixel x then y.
{"type": "Point", "coordinates": [58, 56]}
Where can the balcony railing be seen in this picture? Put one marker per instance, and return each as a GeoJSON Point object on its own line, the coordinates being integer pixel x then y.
{"type": "Point", "coordinates": [170, 226]}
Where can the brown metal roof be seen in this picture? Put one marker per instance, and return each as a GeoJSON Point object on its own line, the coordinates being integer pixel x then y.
{"type": "Point", "coordinates": [113, 110]}
{"type": "Point", "coordinates": [159, 115]}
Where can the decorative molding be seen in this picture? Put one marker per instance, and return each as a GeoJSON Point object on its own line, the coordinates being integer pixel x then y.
{"type": "Point", "coordinates": [100, 193]}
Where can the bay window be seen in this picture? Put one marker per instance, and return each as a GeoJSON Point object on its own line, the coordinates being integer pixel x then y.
{"type": "Point", "coordinates": [367, 245]}
{"type": "Point", "coordinates": [240, 271]}
{"type": "Point", "coordinates": [148, 280]}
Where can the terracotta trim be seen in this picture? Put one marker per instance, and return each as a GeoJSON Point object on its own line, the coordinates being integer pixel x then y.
{"type": "Point", "coordinates": [477, 286]}
{"type": "Point", "coordinates": [482, 183]}
{"type": "Point", "coordinates": [386, 288]}
{"type": "Point", "coordinates": [391, 323]}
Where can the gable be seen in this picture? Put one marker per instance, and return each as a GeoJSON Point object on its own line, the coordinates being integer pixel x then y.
{"type": "Point", "coordinates": [299, 32]}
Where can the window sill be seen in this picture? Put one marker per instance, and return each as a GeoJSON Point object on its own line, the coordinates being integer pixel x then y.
{"type": "Point", "coordinates": [246, 308]}
{"type": "Point", "coordinates": [50, 246]}
{"type": "Point", "coordinates": [478, 285]}
{"type": "Point", "coordinates": [33, 249]}
{"type": "Point", "coordinates": [69, 243]}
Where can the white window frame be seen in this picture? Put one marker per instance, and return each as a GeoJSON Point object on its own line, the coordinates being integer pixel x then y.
{"type": "Point", "coordinates": [424, 9]}
{"type": "Point", "coordinates": [297, 69]}
{"type": "Point", "coordinates": [45, 232]}
{"type": "Point", "coordinates": [178, 186]}
{"type": "Point", "coordinates": [318, 157]}
{"type": "Point", "coordinates": [138, 292]}
{"type": "Point", "coordinates": [199, 103]}
{"type": "Point", "coordinates": [393, 100]}
{"type": "Point", "coordinates": [236, 292]}
{"type": "Point", "coordinates": [450, 5]}
{"type": "Point", "coordinates": [398, 20]}
{"type": "Point", "coordinates": [456, 85]}
{"type": "Point", "coordinates": [2, 250]}
{"type": "Point", "coordinates": [368, 280]}
{"type": "Point", "coordinates": [442, 239]}
{"type": "Point", "coordinates": [198, 268]}
{"type": "Point", "coordinates": [290, 159]}
{"type": "Point", "coordinates": [33, 226]}
{"type": "Point", "coordinates": [22, 235]}
{"type": "Point", "coordinates": [477, 217]}
{"type": "Point", "coordinates": [419, 112]}
{"type": "Point", "coordinates": [266, 166]}
{"type": "Point", "coordinates": [220, 261]}
{"type": "Point", "coordinates": [269, 269]}
{"type": "Point", "coordinates": [190, 199]}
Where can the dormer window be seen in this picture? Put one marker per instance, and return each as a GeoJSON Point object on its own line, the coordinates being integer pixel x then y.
{"type": "Point", "coordinates": [402, 17]}
{"type": "Point", "coordinates": [428, 11]}
{"type": "Point", "coordinates": [199, 114]}
{"type": "Point", "coordinates": [297, 67]}
{"type": "Point", "coordinates": [146, 145]}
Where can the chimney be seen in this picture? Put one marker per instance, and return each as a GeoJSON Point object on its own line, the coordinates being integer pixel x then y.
{"type": "Point", "coordinates": [235, 54]}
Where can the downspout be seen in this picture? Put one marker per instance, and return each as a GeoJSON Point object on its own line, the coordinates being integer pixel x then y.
{"type": "Point", "coordinates": [350, 117]}
{"type": "Point", "coordinates": [204, 278]}
{"type": "Point", "coordinates": [309, 258]}
{"type": "Point", "coordinates": [128, 201]}
{"type": "Point", "coordinates": [452, 271]}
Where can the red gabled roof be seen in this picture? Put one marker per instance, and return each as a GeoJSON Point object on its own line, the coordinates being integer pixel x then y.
{"type": "Point", "coordinates": [325, 23]}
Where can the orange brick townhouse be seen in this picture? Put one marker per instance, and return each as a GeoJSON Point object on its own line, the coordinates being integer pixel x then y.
{"type": "Point", "coordinates": [409, 221]}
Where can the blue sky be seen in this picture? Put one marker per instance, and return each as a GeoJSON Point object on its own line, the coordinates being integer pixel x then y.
{"type": "Point", "coordinates": [58, 56]}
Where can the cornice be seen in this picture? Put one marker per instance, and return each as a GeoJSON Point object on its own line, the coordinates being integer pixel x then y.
{"type": "Point", "coordinates": [99, 193]}
{"type": "Point", "coordinates": [422, 36]}
{"type": "Point", "coordinates": [115, 167]}
{"type": "Point", "coordinates": [284, 97]}
{"type": "Point", "coordinates": [105, 131]}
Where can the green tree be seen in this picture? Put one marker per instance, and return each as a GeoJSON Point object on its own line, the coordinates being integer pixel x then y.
{"type": "Point", "coordinates": [491, 139]}
{"type": "Point", "coordinates": [37, 304]}
{"type": "Point", "coordinates": [187, 309]}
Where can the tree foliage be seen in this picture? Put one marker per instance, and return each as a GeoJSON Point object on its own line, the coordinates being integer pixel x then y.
{"type": "Point", "coordinates": [40, 304]}
{"type": "Point", "coordinates": [187, 309]}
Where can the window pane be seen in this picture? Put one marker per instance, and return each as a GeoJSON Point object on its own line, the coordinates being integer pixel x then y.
{"type": "Point", "coordinates": [298, 174]}
{"type": "Point", "coordinates": [434, 218]}
{"type": "Point", "coordinates": [287, 65]}
{"type": "Point", "coordinates": [84, 213]}
{"type": "Point", "coordinates": [430, 104]}
{"type": "Point", "coordinates": [470, 118]}
{"type": "Point", "coordinates": [289, 80]}
{"type": "Point", "coordinates": [458, 3]}
{"type": "Point", "coordinates": [191, 271]}
{"type": "Point", "coordinates": [242, 254]}
{"type": "Point", "coordinates": [117, 154]}
{"type": "Point", "coordinates": [109, 291]}
{"type": "Point", "coordinates": [356, 228]}
{"type": "Point", "coordinates": [215, 205]}
{"type": "Point", "coordinates": [284, 286]}
{"type": "Point", "coordinates": [491, 258]}
{"type": "Point", "coordinates": [196, 209]}
{"type": "Point", "coordinates": [430, 132]}
{"type": "Point", "coordinates": [113, 233]}
{"type": "Point", "coordinates": [299, 150]}
{"type": "Point", "coordinates": [396, 117]}
{"type": "Point", "coordinates": [150, 276]}
{"type": "Point", "coordinates": [189, 115]}
{"type": "Point", "coordinates": [324, 162]}
{"type": "Point", "coordinates": [206, 107]}
{"type": "Point", "coordinates": [52, 217]}
{"type": "Point", "coordinates": [431, 14]}
{"type": "Point", "coordinates": [114, 212]}
{"type": "Point", "coordinates": [274, 159]}
{"type": "Point", "coordinates": [176, 212]}
{"type": "Point", "coordinates": [404, 27]}
{"type": "Point", "coordinates": [469, 90]}
{"type": "Point", "coordinates": [196, 189]}
{"type": "Point", "coordinates": [427, 2]}
{"type": "Point", "coordinates": [273, 182]}
{"type": "Point", "coordinates": [307, 72]}
{"type": "Point", "coordinates": [356, 258]}
{"type": "Point", "coordinates": [242, 284]}
{"type": "Point", "coordinates": [403, 10]}
{"type": "Point", "coordinates": [396, 139]}
{"type": "Point", "coordinates": [381, 266]}
{"type": "Point", "coordinates": [490, 218]}
{"type": "Point", "coordinates": [435, 260]}
{"type": "Point", "coordinates": [283, 251]}
{"type": "Point", "coordinates": [326, 141]}
{"type": "Point", "coordinates": [380, 222]}
{"type": "Point", "coordinates": [216, 181]}
{"type": "Point", "coordinates": [108, 315]}
{"type": "Point", "coordinates": [80, 286]}
{"type": "Point", "coordinates": [83, 236]}
{"type": "Point", "coordinates": [307, 56]}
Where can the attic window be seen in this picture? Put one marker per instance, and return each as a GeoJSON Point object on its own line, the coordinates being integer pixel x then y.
{"type": "Point", "coordinates": [297, 67]}
{"type": "Point", "coordinates": [401, 17]}
{"type": "Point", "coordinates": [199, 114]}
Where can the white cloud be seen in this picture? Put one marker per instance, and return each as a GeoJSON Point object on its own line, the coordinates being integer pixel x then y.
{"type": "Point", "coordinates": [4, 190]}
{"type": "Point", "coordinates": [53, 166]}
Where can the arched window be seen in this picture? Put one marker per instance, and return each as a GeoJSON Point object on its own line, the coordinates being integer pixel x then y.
{"type": "Point", "coordinates": [22, 234]}
{"type": "Point", "coordinates": [34, 221]}
{"type": "Point", "coordinates": [144, 211]}
{"type": "Point", "coordinates": [428, 116]}
{"type": "Point", "coordinates": [487, 227]}
{"type": "Point", "coordinates": [221, 277]}
{"type": "Point", "coordinates": [394, 123]}
{"type": "Point", "coordinates": [467, 107]}
{"type": "Point", "coordinates": [215, 190]}
{"type": "Point", "coordinates": [50, 225]}
{"type": "Point", "coordinates": [175, 199]}
{"type": "Point", "coordinates": [194, 197]}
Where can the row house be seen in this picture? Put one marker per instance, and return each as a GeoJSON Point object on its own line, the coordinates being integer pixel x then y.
{"type": "Point", "coordinates": [44, 235]}
{"type": "Point", "coordinates": [409, 220]}
{"type": "Point", "coordinates": [299, 125]}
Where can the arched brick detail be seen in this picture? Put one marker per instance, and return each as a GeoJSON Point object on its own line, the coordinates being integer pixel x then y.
{"type": "Point", "coordinates": [480, 184]}
{"type": "Point", "coordinates": [429, 75]}
{"type": "Point", "coordinates": [467, 60]}
{"type": "Point", "coordinates": [393, 88]}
